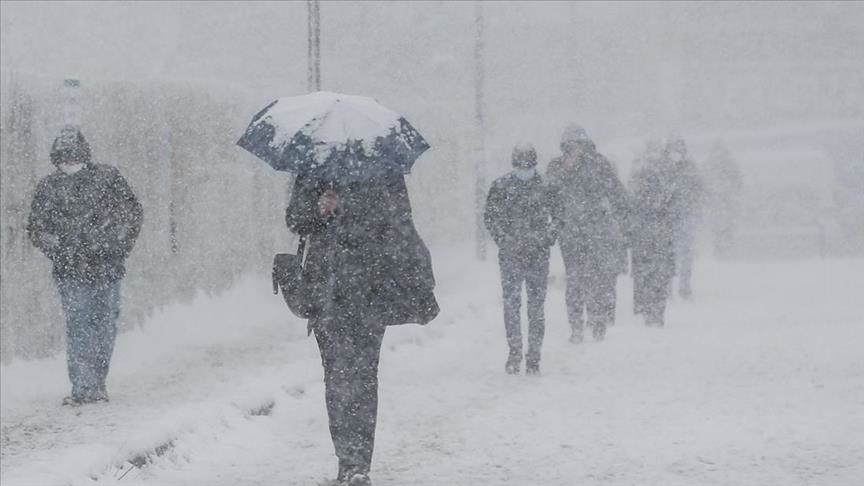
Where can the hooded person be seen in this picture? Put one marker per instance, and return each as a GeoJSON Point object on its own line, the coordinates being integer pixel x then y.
{"type": "Point", "coordinates": [518, 215]}
{"type": "Point", "coordinates": [85, 218]}
{"type": "Point", "coordinates": [659, 194]}
{"type": "Point", "coordinates": [368, 269]}
{"type": "Point", "coordinates": [591, 210]}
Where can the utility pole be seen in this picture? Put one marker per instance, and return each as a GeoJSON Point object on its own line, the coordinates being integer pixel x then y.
{"type": "Point", "coordinates": [313, 24]}
{"type": "Point", "coordinates": [480, 149]}
{"type": "Point", "coordinates": [71, 102]}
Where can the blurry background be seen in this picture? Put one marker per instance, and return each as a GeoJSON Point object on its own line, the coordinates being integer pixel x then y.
{"type": "Point", "coordinates": [168, 87]}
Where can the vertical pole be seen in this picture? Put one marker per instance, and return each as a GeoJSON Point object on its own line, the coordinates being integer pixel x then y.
{"type": "Point", "coordinates": [71, 102]}
{"type": "Point", "coordinates": [480, 149]}
{"type": "Point", "coordinates": [313, 9]}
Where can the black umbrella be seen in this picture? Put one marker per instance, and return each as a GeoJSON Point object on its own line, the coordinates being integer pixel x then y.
{"type": "Point", "coordinates": [333, 137]}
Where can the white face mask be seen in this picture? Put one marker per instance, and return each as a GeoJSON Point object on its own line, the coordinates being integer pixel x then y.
{"type": "Point", "coordinates": [524, 174]}
{"type": "Point", "coordinates": [70, 169]}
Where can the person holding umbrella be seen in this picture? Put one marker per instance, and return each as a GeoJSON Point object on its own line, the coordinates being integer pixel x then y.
{"type": "Point", "coordinates": [366, 264]}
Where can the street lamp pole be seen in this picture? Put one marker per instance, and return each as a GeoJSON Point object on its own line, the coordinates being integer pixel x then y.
{"type": "Point", "coordinates": [480, 149]}
{"type": "Point", "coordinates": [313, 24]}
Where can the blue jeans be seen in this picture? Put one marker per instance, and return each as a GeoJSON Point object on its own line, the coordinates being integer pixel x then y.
{"type": "Point", "coordinates": [91, 311]}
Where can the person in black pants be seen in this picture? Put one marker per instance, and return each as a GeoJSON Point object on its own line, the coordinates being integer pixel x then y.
{"type": "Point", "coordinates": [658, 206]}
{"type": "Point", "coordinates": [368, 268]}
{"type": "Point", "coordinates": [518, 216]}
{"type": "Point", "coordinates": [592, 210]}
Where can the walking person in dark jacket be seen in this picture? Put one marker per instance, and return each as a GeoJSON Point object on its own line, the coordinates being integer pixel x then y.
{"type": "Point", "coordinates": [368, 268]}
{"type": "Point", "coordinates": [518, 215]}
{"type": "Point", "coordinates": [86, 219]}
{"type": "Point", "coordinates": [592, 210]}
{"type": "Point", "coordinates": [657, 211]}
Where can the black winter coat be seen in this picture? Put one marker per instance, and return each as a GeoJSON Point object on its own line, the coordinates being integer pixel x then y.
{"type": "Point", "coordinates": [592, 208]}
{"type": "Point", "coordinates": [366, 260]}
{"type": "Point", "coordinates": [519, 215]}
{"type": "Point", "coordinates": [657, 212]}
{"type": "Point", "coordinates": [86, 223]}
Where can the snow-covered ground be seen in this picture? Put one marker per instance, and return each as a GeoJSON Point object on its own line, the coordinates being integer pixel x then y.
{"type": "Point", "coordinates": [758, 381]}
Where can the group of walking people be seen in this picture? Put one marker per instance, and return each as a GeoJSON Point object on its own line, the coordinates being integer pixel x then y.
{"type": "Point", "coordinates": [582, 205]}
{"type": "Point", "coordinates": [368, 268]}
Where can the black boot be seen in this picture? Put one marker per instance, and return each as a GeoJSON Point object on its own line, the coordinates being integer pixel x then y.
{"type": "Point", "coordinates": [598, 330]}
{"type": "Point", "coordinates": [359, 479]}
{"type": "Point", "coordinates": [514, 361]}
{"type": "Point", "coordinates": [654, 318]}
{"type": "Point", "coordinates": [342, 475]}
{"type": "Point", "coordinates": [576, 334]}
{"type": "Point", "coordinates": [351, 475]}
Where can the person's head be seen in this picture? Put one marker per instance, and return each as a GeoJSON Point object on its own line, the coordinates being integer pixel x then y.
{"type": "Point", "coordinates": [718, 151]}
{"type": "Point", "coordinates": [575, 140]}
{"type": "Point", "coordinates": [524, 156]}
{"type": "Point", "coordinates": [653, 152]}
{"type": "Point", "coordinates": [654, 148]}
{"type": "Point", "coordinates": [70, 151]}
{"type": "Point", "coordinates": [676, 148]}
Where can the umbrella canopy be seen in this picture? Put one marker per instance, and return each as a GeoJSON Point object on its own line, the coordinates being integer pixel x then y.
{"type": "Point", "coordinates": [333, 137]}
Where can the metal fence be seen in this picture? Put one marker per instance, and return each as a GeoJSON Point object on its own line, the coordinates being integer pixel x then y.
{"type": "Point", "coordinates": [211, 212]}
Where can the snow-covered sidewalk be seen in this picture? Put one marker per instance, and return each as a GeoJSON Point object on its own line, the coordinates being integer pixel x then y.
{"type": "Point", "coordinates": [760, 380]}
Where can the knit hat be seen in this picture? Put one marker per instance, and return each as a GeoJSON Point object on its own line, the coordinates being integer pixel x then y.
{"type": "Point", "coordinates": [524, 156]}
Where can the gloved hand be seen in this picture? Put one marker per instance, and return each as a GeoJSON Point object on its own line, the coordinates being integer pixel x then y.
{"type": "Point", "coordinates": [105, 243]}
{"type": "Point", "coordinates": [48, 242]}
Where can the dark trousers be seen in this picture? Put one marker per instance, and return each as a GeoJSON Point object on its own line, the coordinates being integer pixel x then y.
{"type": "Point", "coordinates": [590, 286]}
{"type": "Point", "coordinates": [684, 257]}
{"type": "Point", "coordinates": [653, 269]}
{"type": "Point", "coordinates": [533, 271]}
{"type": "Point", "coordinates": [350, 349]}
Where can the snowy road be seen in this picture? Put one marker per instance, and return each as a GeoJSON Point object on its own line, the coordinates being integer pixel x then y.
{"type": "Point", "coordinates": [759, 381]}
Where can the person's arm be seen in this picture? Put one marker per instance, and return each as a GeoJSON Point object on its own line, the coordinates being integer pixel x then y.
{"type": "Point", "coordinates": [552, 202]}
{"type": "Point", "coordinates": [554, 181]}
{"type": "Point", "coordinates": [303, 215]}
{"type": "Point", "coordinates": [115, 220]}
{"type": "Point", "coordinates": [618, 199]}
{"type": "Point", "coordinates": [40, 229]}
{"type": "Point", "coordinates": [493, 215]}
{"type": "Point", "coordinates": [131, 214]}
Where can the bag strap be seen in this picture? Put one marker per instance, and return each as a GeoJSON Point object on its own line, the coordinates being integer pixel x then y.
{"type": "Point", "coordinates": [301, 246]}
{"type": "Point", "coordinates": [300, 249]}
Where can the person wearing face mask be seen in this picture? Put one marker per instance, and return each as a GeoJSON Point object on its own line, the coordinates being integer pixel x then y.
{"type": "Point", "coordinates": [85, 218]}
{"type": "Point", "coordinates": [518, 215]}
{"type": "Point", "coordinates": [592, 211]}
